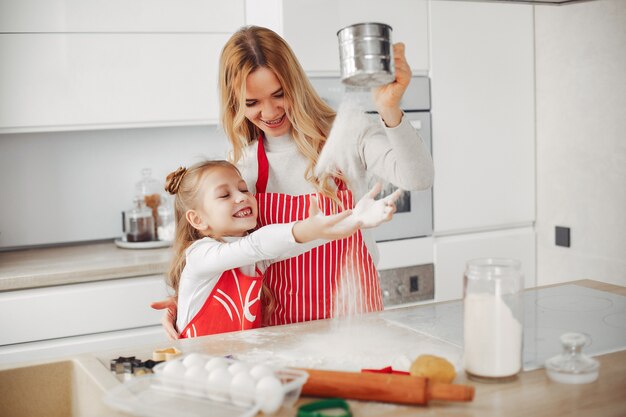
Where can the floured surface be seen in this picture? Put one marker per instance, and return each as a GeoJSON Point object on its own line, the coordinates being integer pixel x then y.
{"type": "Point", "coordinates": [349, 345]}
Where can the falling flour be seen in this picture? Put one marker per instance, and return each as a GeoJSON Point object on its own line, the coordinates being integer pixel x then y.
{"type": "Point", "coordinates": [348, 127]}
{"type": "Point", "coordinates": [492, 337]}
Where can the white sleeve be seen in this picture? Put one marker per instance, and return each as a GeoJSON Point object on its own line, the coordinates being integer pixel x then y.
{"type": "Point", "coordinates": [398, 155]}
{"type": "Point", "coordinates": [209, 256]}
{"type": "Point", "coordinates": [249, 166]}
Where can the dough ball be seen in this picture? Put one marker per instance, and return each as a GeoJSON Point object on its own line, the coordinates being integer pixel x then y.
{"type": "Point", "coordinates": [435, 368]}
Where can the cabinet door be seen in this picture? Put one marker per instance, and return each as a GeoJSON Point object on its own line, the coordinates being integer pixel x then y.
{"type": "Point", "coordinates": [452, 252]}
{"type": "Point", "coordinates": [45, 16]}
{"type": "Point", "coordinates": [483, 115]}
{"type": "Point", "coordinates": [79, 81]}
{"type": "Point", "coordinates": [310, 27]}
{"type": "Point", "coordinates": [79, 309]}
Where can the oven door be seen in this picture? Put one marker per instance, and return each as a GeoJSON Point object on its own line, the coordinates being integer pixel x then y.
{"type": "Point", "coordinates": [414, 217]}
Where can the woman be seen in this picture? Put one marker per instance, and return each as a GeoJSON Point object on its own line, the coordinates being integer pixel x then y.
{"type": "Point", "coordinates": [277, 125]}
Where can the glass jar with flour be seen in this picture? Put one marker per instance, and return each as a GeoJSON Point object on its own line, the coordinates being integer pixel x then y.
{"type": "Point", "coordinates": [493, 305]}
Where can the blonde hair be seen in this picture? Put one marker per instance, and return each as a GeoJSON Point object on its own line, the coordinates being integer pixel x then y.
{"type": "Point", "coordinates": [254, 47]}
{"type": "Point", "coordinates": [185, 184]}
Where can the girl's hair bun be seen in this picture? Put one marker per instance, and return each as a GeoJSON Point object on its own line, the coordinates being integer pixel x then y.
{"type": "Point", "coordinates": [172, 182]}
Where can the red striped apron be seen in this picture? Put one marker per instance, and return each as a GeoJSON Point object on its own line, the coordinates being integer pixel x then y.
{"type": "Point", "coordinates": [234, 304]}
{"type": "Point", "coordinates": [338, 278]}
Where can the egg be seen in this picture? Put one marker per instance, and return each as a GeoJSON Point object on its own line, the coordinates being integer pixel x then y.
{"type": "Point", "coordinates": [194, 359]}
{"type": "Point", "coordinates": [242, 389]}
{"type": "Point", "coordinates": [174, 374]}
{"type": "Point", "coordinates": [269, 394]}
{"type": "Point", "coordinates": [259, 371]}
{"type": "Point", "coordinates": [195, 378]}
{"type": "Point", "coordinates": [238, 367]}
{"type": "Point", "coordinates": [218, 384]}
{"type": "Point", "coordinates": [215, 363]}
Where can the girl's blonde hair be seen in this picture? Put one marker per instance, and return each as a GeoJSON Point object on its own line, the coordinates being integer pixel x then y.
{"type": "Point", "coordinates": [254, 47]}
{"type": "Point", "coordinates": [185, 184]}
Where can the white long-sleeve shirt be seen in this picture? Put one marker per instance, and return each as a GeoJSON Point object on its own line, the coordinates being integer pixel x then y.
{"type": "Point", "coordinates": [207, 259]}
{"type": "Point", "coordinates": [396, 155]}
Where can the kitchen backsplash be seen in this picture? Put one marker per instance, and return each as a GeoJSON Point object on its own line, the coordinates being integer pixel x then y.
{"type": "Point", "coordinates": [66, 187]}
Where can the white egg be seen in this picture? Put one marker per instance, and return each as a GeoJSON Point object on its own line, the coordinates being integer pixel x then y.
{"type": "Point", "coordinates": [195, 378]}
{"type": "Point", "coordinates": [215, 363]}
{"type": "Point", "coordinates": [238, 367]}
{"type": "Point", "coordinates": [174, 374]}
{"type": "Point", "coordinates": [259, 371]}
{"type": "Point", "coordinates": [218, 384]}
{"type": "Point", "coordinates": [269, 394]}
{"type": "Point", "coordinates": [194, 359]}
{"type": "Point", "coordinates": [242, 389]}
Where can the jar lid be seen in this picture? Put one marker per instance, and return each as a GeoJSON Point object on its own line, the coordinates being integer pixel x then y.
{"type": "Point", "coordinates": [139, 210]}
{"type": "Point", "coordinates": [572, 366]}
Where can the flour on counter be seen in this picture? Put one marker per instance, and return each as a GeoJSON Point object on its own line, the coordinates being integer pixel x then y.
{"type": "Point", "coordinates": [351, 345]}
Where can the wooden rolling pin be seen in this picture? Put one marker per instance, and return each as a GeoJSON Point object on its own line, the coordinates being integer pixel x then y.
{"type": "Point", "coordinates": [391, 388]}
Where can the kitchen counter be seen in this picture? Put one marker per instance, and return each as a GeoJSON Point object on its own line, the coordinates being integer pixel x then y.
{"type": "Point", "coordinates": [42, 267]}
{"type": "Point", "coordinates": [531, 394]}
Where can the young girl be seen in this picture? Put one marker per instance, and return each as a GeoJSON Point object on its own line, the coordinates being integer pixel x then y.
{"type": "Point", "coordinates": [217, 267]}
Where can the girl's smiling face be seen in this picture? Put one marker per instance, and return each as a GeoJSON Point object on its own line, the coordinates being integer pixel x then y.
{"type": "Point", "coordinates": [265, 104]}
{"type": "Point", "coordinates": [227, 207]}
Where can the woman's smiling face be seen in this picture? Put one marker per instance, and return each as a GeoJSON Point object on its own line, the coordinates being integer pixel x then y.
{"type": "Point", "coordinates": [265, 103]}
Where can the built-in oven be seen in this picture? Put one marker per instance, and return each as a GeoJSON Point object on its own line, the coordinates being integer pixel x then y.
{"type": "Point", "coordinates": [414, 217]}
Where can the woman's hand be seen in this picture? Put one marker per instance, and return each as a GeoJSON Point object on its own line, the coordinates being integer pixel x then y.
{"type": "Point", "coordinates": [168, 321]}
{"type": "Point", "coordinates": [320, 226]}
{"type": "Point", "coordinates": [370, 212]}
{"type": "Point", "coordinates": [387, 97]}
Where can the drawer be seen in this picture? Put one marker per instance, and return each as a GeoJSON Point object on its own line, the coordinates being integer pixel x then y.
{"type": "Point", "coordinates": [79, 309]}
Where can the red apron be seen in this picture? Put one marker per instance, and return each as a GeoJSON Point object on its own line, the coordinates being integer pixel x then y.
{"type": "Point", "coordinates": [232, 305]}
{"type": "Point", "coordinates": [337, 278]}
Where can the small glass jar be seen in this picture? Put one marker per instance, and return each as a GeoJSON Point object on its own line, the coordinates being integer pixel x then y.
{"type": "Point", "coordinates": [139, 223]}
{"type": "Point", "coordinates": [166, 224]}
{"type": "Point", "coordinates": [493, 305]}
{"type": "Point", "coordinates": [150, 190]}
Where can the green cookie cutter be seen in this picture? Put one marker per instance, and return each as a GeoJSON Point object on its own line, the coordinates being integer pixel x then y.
{"type": "Point", "coordinates": [316, 408]}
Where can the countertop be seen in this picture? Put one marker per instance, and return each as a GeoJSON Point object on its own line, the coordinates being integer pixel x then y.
{"type": "Point", "coordinates": [42, 267]}
{"type": "Point", "coordinates": [532, 394]}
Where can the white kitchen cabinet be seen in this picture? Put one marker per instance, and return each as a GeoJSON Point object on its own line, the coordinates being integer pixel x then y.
{"type": "Point", "coordinates": [482, 72]}
{"type": "Point", "coordinates": [47, 16]}
{"type": "Point", "coordinates": [101, 80]}
{"type": "Point", "coordinates": [310, 27]}
{"type": "Point", "coordinates": [452, 252]}
{"type": "Point", "coordinates": [52, 313]}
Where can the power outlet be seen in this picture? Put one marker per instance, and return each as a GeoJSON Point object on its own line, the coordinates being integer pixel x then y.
{"type": "Point", "coordinates": [562, 236]}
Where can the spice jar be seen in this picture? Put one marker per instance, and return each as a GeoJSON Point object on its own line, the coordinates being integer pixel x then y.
{"type": "Point", "coordinates": [150, 191]}
{"type": "Point", "coordinates": [493, 319]}
{"type": "Point", "coordinates": [139, 223]}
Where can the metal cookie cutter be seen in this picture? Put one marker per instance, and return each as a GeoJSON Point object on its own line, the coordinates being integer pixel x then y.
{"type": "Point", "coordinates": [316, 408]}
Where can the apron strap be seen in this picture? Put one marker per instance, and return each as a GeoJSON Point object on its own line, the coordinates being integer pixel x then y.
{"type": "Point", "coordinates": [264, 167]}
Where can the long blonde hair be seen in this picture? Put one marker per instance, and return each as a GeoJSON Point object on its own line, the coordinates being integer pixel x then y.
{"type": "Point", "coordinates": [254, 47]}
{"type": "Point", "coordinates": [185, 185]}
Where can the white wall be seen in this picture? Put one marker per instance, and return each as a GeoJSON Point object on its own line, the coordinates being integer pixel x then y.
{"type": "Point", "coordinates": [73, 186]}
{"type": "Point", "coordinates": [581, 140]}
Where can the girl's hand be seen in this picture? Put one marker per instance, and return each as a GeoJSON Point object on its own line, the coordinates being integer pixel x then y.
{"type": "Point", "coordinates": [387, 97]}
{"type": "Point", "coordinates": [168, 321]}
{"type": "Point", "coordinates": [370, 212]}
{"type": "Point", "coordinates": [320, 226]}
